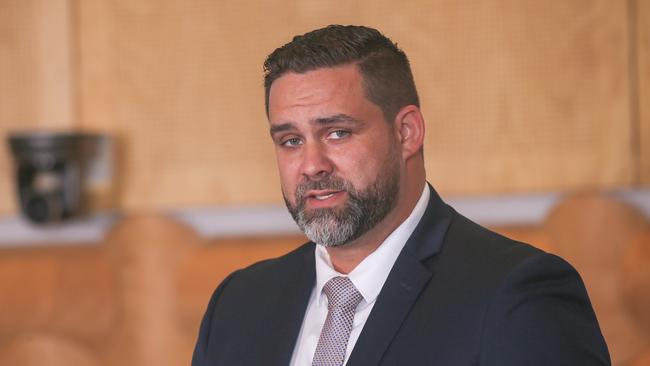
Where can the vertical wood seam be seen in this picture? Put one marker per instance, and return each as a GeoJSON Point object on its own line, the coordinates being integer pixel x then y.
{"type": "Point", "coordinates": [633, 75]}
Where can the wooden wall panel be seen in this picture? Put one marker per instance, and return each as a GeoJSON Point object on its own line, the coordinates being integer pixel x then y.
{"type": "Point", "coordinates": [182, 95]}
{"type": "Point", "coordinates": [523, 95]}
{"type": "Point", "coordinates": [35, 75]}
{"type": "Point", "coordinates": [643, 69]}
{"type": "Point", "coordinates": [68, 289]}
{"type": "Point", "coordinates": [138, 297]}
{"type": "Point", "coordinates": [597, 235]}
{"type": "Point", "coordinates": [519, 96]}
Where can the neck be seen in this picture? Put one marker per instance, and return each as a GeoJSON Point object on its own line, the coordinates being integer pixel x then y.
{"type": "Point", "coordinates": [347, 257]}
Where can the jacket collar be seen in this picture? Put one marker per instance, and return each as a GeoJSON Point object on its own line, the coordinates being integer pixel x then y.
{"type": "Point", "coordinates": [288, 318]}
{"type": "Point", "coordinates": [402, 288]}
{"type": "Point", "coordinates": [404, 284]}
{"type": "Point", "coordinates": [428, 236]}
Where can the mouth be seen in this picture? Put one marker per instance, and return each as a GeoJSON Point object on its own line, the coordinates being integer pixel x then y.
{"type": "Point", "coordinates": [322, 198]}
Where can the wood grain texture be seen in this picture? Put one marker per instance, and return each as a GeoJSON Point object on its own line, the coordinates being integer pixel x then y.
{"type": "Point", "coordinates": [519, 96]}
{"type": "Point", "coordinates": [635, 279]}
{"type": "Point", "coordinates": [35, 76]}
{"type": "Point", "coordinates": [642, 14]}
{"type": "Point", "coordinates": [597, 235]}
{"type": "Point", "coordinates": [147, 249]}
{"type": "Point", "coordinates": [68, 290]}
{"type": "Point", "coordinates": [138, 297]}
{"type": "Point", "coordinates": [183, 97]}
{"type": "Point", "coordinates": [34, 349]}
{"type": "Point", "coordinates": [523, 95]}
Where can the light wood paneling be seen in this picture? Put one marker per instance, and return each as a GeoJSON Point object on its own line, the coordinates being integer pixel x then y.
{"type": "Point", "coordinates": [183, 96]}
{"type": "Point", "coordinates": [598, 235]}
{"type": "Point", "coordinates": [138, 298]}
{"type": "Point", "coordinates": [519, 96]}
{"type": "Point", "coordinates": [35, 75]}
{"type": "Point", "coordinates": [643, 69]}
{"type": "Point", "coordinates": [523, 95]}
{"type": "Point", "coordinates": [55, 277]}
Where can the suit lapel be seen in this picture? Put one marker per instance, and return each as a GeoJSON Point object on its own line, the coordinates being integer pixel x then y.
{"type": "Point", "coordinates": [393, 304]}
{"type": "Point", "coordinates": [288, 315]}
{"type": "Point", "coordinates": [406, 280]}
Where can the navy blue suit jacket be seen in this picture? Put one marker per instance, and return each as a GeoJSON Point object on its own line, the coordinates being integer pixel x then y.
{"type": "Point", "coordinates": [458, 294]}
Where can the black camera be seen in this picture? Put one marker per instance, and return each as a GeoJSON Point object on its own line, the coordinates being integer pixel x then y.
{"type": "Point", "coordinates": [50, 171]}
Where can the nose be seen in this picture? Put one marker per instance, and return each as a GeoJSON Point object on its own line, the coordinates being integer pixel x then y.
{"type": "Point", "coordinates": [315, 162]}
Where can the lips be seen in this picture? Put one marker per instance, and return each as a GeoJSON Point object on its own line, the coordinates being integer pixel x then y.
{"type": "Point", "coordinates": [322, 196]}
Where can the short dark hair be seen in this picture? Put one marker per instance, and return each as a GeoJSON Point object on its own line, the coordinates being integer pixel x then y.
{"type": "Point", "coordinates": [387, 77]}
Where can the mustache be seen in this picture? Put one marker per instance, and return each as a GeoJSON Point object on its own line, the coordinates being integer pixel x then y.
{"type": "Point", "coordinates": [330, 182]}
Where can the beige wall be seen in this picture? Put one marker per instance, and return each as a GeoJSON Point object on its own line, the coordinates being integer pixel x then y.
{"type": "Point", "coordinates": [519, 96]}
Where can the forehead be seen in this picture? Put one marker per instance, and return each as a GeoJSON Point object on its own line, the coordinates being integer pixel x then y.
{"type": "Point", "coordinates": [321, 87]}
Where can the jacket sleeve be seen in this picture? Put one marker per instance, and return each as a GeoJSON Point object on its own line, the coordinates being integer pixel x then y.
{"type": "Point", "coordinates": [541, 315]}
{"type": "Point", "coordinates": [199, 358]}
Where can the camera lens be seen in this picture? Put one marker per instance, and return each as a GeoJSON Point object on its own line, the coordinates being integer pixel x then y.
{"type": "Point", "coordinates": [50, 170]}
{"type": "Point", "coordinates": [43, 209]}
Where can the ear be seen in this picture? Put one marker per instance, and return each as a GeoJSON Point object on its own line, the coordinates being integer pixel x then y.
{"type": "Point", "coordinates": [409, 130]}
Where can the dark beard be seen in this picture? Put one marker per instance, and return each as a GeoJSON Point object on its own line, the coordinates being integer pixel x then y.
{"type": "Point", "coordinates": [363, 210]}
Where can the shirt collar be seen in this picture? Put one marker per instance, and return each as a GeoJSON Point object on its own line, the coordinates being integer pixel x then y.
{"type": "Point", "coordinates": [371, 274]}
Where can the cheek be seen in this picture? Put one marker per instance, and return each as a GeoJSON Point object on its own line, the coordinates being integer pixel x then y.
{"type": "Point", "coordinates": [360, 167]}
{"type": "Point", "coordinates": [363, 164]}
{"type": "Point", "coordinates": [289, 175]}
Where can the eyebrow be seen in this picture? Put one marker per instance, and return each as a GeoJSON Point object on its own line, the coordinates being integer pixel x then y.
{"type": "Point", "coordinates": [280, 128]}
{"type": "Point", "coordinates": [337, 118]}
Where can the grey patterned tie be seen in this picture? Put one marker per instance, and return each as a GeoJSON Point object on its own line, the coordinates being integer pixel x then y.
{"type": "Point", "coordinates": [342, 301]}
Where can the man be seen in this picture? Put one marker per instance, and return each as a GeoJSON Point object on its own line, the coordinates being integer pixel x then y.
{"type": "Point", "coordinates": [393, 276]}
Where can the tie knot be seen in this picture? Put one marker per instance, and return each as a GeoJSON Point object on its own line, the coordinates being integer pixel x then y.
{"type": "Point", "coordinates": [341, 293]}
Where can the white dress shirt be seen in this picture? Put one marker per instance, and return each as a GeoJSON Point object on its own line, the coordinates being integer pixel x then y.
{"type": "Point", "coordinates": [368, 277]}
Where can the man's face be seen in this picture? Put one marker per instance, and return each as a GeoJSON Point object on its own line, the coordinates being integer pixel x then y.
{"type": "Point", "coordinates": [338, 158]}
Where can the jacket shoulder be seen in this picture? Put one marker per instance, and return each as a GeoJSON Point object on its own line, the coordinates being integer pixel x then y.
{"type": "Point", "coordinates": [484, 248]}
{"type": "Point", "coordinates": [269, 271]}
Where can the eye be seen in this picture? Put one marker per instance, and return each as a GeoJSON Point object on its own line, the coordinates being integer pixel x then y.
{"type": "Point", "coordinates": [291, 142]}
{"type": "Point", "coordinates": [338, 134]}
